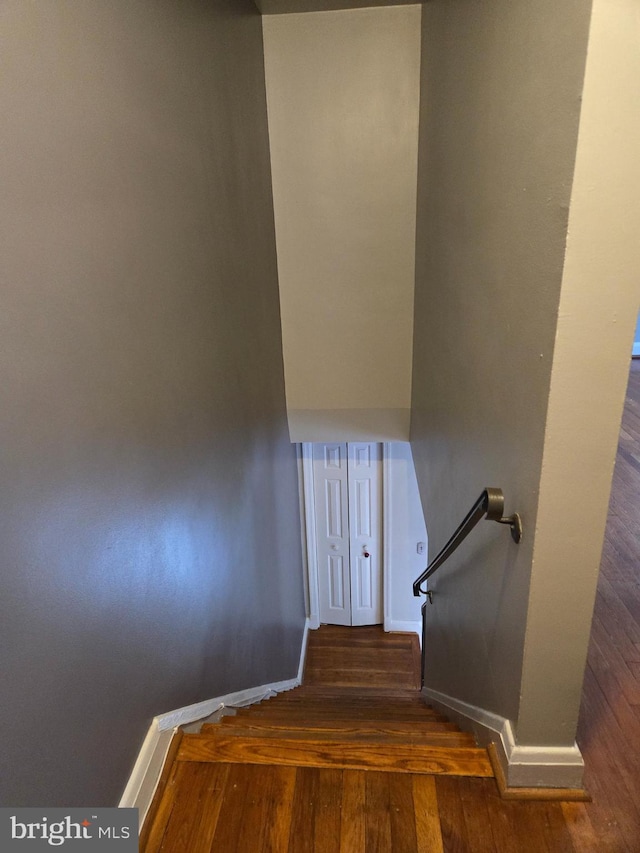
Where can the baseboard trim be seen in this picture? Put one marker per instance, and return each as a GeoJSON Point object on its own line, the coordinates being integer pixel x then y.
{"type": "Point", "coordinates": [147, 770]}
{"type": "Point", "coordinates": [522, 793]}
{"type": "Point", "coordinates": [166, 775]}
{"type": "Point", "coordinates": [522, 766]}
{"type": "Point", "coordinates": [308, 626]}
{"type": "Point", "coordinates": [398, 626]}
{"type": "Point", "coordinates": [635, 352]}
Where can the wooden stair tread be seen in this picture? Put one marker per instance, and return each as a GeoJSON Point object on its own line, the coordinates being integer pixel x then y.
{"type": "Point", "coordinates": [344, 714]}
{"type": "Point", "coordinates": [345, 754]}
{"type": "Point", "coordinates": [327, 705]}
{"type": "Point", "coordinates": [434, 738]}
{"type": "Point", "coordinates": [296, 699]}
{"type": "Point", "coordinates": [344, 678]}
{"type": "Point", "coordinates": [340, 707]}
{"type": "Point", "coordinates": [357, 701]}
{"type": "Point", "coordinates": [383, 726]}
{"type": "Point", "coordinates": [322, 691]}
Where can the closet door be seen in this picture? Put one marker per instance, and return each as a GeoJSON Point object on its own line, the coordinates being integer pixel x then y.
{"type": "Point", "coordinates": [347, 493]}
{"type": "Point", "coordinates": [364, 465]}
{"type": "Point", "coordinates": [332, 532]}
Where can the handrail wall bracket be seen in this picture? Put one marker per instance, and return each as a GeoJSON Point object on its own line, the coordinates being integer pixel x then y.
{"type": "Point", "coordinates": [490, 506]}
{"type": "Point", "coordinates": [515, 523]}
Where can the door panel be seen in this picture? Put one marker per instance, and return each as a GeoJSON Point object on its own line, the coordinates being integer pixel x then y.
{"type": "Point", "coordinates": [332, 525]}
{"type": "Point", "coordinates": [363, 586]}
{"type": "Point", "coordinates": [361, 525]}
{"type": "Point", "coordinates": [365, 546]}
{"type": "Point", "coordinates": [334, 502]}
{"type": "Point", "coordinates": [336, 583]}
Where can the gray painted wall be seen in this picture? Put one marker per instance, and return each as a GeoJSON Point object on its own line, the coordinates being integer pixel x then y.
{"type": "Point", "coordinates": [149, 531]}
{"type": "Point", "coordinates": [501, 86]}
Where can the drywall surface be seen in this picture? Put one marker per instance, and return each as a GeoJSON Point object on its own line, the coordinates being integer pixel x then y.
{"type": "Point", "coordinates": [282, 7]}
{"type": "Point", "coordinates": [404, 528]}
{"type": "Point", "coordinates": [598, 306]}
{"type": "Point", "coordinates": [501, 87]}
{"type": "Point", "coordinates": [149, 524]}
{"type": "Point", "coordinates": [328, 425]}
{"type": "Point", "coordinates": [343, 91]}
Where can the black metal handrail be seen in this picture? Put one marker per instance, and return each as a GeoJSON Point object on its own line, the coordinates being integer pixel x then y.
{"type": "Point", "coordinates": [489, 505]}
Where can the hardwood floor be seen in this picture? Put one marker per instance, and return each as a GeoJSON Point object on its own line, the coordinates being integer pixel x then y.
{"type": "Point", "coordinates": [393, 664]}
{"type": "Point", "coordinates": [248, 808]}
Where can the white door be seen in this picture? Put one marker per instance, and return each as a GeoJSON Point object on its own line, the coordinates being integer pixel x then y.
{"type": "Point", "coordinates": [348, 532]}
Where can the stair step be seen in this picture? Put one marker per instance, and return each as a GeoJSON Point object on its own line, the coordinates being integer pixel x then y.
{"type": "Point", "coordinates": [343, 713]}
{"type": "Point", "coordinates": [345, 754]}
{"type": "Point", "coordinates": [335, 707]}
{"type": "Point", "coordinates": [295, 698]}
{"type": "Point", "coordinates": [435, 738]}
{"type": "Point", "coordinates": [384, 704]}
{"type": "Point", "coordinates": [301, 706]}
{"type": "Point", "coordinates": [382, 727]}
{"type": "Point", "coordinates": [346, 679]}
{"type": "Point", "coordinates": [320, 690]}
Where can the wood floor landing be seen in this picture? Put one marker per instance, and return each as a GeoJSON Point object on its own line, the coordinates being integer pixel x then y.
{"type": "Point", "coordinates": [241, 808]}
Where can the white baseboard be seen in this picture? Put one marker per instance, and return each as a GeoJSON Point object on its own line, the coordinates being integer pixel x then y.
{"type": "Point", "coordinates": [523, 766]}
{"type": "Point", "coordinates": [303, 650]}
{"type": "Point", "coordinates": [404, 627]}
{"type": "Point", "coordinates": [146, 772]}
{"type": "Point", "coordinates": [636, 350]}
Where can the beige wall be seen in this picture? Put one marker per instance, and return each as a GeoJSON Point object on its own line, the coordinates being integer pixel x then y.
{"type": "Point", "coordinates": [149, 532]}
{"type": "Point", "coordinates": [501, 87]}
{"type": "Point", "coordinates": [596, 318]}
{"type": "Point", "coordinates": [342, 90]}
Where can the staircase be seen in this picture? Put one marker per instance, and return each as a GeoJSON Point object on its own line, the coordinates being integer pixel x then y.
{"type": "Point", "coordinates": [350, 762]}
{"type": "Point", "coordinates": [341, 727]}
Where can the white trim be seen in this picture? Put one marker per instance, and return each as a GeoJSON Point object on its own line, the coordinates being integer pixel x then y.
{"type": "Point", "coordinates": [146, 772]}
{"type": "Point", "coordinates": [239, 699]}
{"type": "Point", "coordinates": [523, 766]}
{"type": "Point", "coordinates": [303, 651]}
{"type": "Point", "coordinates": [310, 528]}
{"type": "Point", "coordinates": [303, 527]}
{"type": "Point", "coordinates": [636, 349]}
{"type": "Point", "coordinates": [404, 627]}
{"type": "Point", "coordinates": [387, 537]}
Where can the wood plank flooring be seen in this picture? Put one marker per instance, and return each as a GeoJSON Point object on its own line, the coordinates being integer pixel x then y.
{"type": "Point", "coordinates": [248, 808]}
{"type": "Point", "coordinates": [392, 665]}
